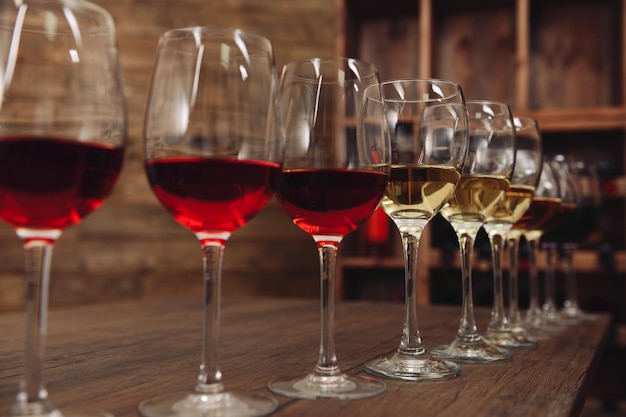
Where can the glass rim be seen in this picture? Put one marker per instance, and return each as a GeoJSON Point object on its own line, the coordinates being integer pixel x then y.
{"type": "Point", "coordinates": [200, 34]}
{"type": "Point", "coordinates": [505, 108]}
{"type": "Point", "coordinates": [521, 119]}
{"type": "Point", "coordinates": [458, 91]}
{"type": "Point", "coordinates": [318, 61]}
{"type": "Point", "coordinates": [101, 23]}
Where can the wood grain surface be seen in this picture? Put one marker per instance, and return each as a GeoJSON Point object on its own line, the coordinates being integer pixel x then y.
{"type": "Point", "coordinates": [114, 356]}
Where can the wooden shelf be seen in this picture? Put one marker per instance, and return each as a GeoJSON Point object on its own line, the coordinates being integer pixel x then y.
{"type": "Point", "coordinates": [562, 62]}
{"type": "Point", "coordinates": [576, 119]}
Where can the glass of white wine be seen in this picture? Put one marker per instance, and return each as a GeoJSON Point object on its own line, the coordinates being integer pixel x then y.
{"type": "Point", "coordinates": [483, 185]}
{"type": "Point", "coordinates": [528, 160]}
{"type": "Point", "coordinates": [428, 126]}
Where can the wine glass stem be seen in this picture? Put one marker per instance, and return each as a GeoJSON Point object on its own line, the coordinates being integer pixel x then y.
{"type": "Point", "coordinates": [467, 330]}
{"type": "Point", "coordinates": [571, 296]}
{"type": "Point", "coordinates": [411, 343]}
{"type": "Point", "coordinates": [33, 397]}
{"type": "Point", "coordinates": [498, 320]}
{"type": "Point", "coordinates": [515, 316]}
{"type": "Point", "coordinates": [210, 377]}
{"type": "Point", "coordinates": [534, 309]}
{"type": "Point", "coordinates": [549, 305]}
{"type": "Point", "coordinates": [327, 360]}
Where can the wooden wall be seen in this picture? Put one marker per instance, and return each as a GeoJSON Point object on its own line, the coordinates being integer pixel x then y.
{"type": "Point", "coordinates": [131, 248]}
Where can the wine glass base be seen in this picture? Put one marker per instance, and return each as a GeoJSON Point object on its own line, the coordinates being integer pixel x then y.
{"type": "Point", "coordinates": [542, 327]}
{"type": "Point", "coordinates": [423, 366]}
{"type": "Point", "coordinates": [341, 387]}
{"type": "Point", "coordinates": [509, 339]}
{"type": "Point", "coordinates": [574, 315]}
{"type": "Point", "coordinates": [225, 404]}
{"type": "Point", "coordinates": [66, 413]}
{"type": "Point", "coordinates": [45, 409]}
{"type": "Point", "coordinates": [475, 351]}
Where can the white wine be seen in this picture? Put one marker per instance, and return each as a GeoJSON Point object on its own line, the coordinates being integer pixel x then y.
{"type": "Point", "coordinates": [509, 210]}
{"type": "Point", "coordinates": [475, 198]}
{"type": "Point", "coordinates": [418, 192]}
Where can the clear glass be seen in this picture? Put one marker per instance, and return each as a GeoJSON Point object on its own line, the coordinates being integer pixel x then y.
{"type": "Point", "coordinates": [62, 142]}
{"type": "Point", "coordinates": [545, 206]}
{"type": "Point", "coordinates": [516, 321]}
{"type": "Point", "coordinates": [213, 151]}
{"type": "Point", "coordinates": [561, 228]}
{"type": "Point", "coordinates": [335, 172]}
{"type": "Point", "coordinates": [528, 160]}
{"type": "Point", "coordinates": [429, 128]}
{"type": "Point", "coordinates": [588, 203]}
{"type": "Point", "coordinates": [485, 179]}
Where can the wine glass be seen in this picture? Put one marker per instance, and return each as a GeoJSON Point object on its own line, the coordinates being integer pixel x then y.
{"type": "Point", "coordinates": [528, 159]}
{"type": "Point", "coordinates": [531, 225]}
{"type": "Point", "coordinates": [335, 171]}
{"type": "Point", "coordinates": [213, 151]}
{"type": "Point", "coordinates": [62, 142]}
{"type": "Point", "coordinates": [556, 232]}
{"type": "Point", "coordinates": [483, 185]}
{"type": "Point", "coordinates": [428, 126]}
{"type": "Point", "coordinates": [585, 178]}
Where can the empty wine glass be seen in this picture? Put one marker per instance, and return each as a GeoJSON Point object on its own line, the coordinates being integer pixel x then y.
{"type": "Point", "coordinates": [484, 182]}
{"type": "Point", "coordinates": [528, 159]}
{"type": "Point", "coordinates": [62, 141]}
{"type": "Point", "coordinates": [544, 207]}
{"type": "Point", "coordinates": [213, 150]}
{"type": "Point", "coordinates": [335, 171]}
{"type": "Point", "coordinates": [428, 127]}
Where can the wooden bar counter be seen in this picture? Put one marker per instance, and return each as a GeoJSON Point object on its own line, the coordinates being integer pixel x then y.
{"type": "Point", "coordinates": [113, 356]}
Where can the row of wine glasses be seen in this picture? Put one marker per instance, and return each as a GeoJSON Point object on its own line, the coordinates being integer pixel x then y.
{"type": "Point", "coordinates": [223, 134]}
{"type": "Point", "coordinates": [553, 223]}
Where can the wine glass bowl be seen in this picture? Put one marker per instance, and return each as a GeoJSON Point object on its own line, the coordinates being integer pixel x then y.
{"type": "Point", "coordinates": [62, 146]}
{"type": "Point", "coordinates": [428, 127]}
{"type": "Point", "coordinates": [485, 179]}
{"type": "Point", "coordinates": [335, 171]}
{"type": "Point", "coordinates": [213, 147]}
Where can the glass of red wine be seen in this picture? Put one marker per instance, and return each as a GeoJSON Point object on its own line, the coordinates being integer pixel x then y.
{"type": "Point", "coordinates": [584, 176]}
{"type": "Point", "coordinates": [533, 223]}
{"type": "Point", "coordinates": [334, 175]}
{"type": "Point", "coordinates": [62, 141]}
{"type": "Point", "coordinates": [213, 151]}
{"type": "Point", "coordinates": [557, 231]}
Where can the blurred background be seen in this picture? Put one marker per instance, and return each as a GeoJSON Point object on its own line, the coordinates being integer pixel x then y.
{"type": "Point", "coordinates": [562, 62]}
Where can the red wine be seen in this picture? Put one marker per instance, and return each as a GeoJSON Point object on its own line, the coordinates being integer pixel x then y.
{"type": "Point", "coordinates": [561, 227]}
{"type": "Point", "coordinates": [330, 201]}
{"type": "Point", "coordinates": [540, 212]}
{"type": "Point", "coordinates": [50, 183]}
{"type": "Point", "coordinates": [212, 195]}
